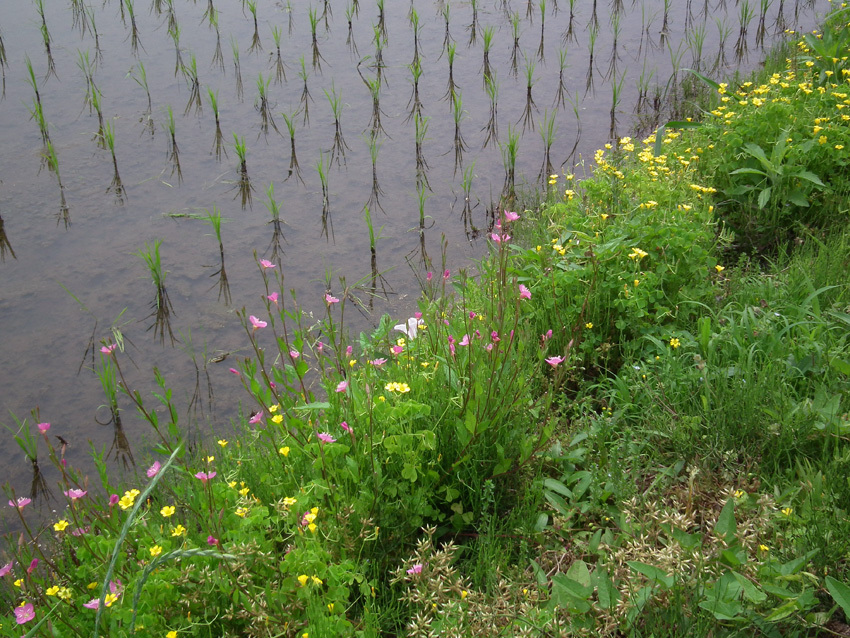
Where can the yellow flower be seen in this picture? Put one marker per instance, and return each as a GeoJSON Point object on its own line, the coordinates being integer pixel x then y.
{"type": "Point", "coordinates": [303, 578]}
{"type": "Point", "coordinates": [241, 512]}
{"type": "Point", "coordinates": [18, 582]}
{"type": "Point", "coordinates": [739, 493]}
{"type": "Point", "coordinates": [91, 585]}
{"type": "Point", "coordinates": [675, 343]}
{"type": "Point", "coordinates": [60, 526]}
{"type": "Point", "coordinates": [589, 325]}
{"type": "Point", "coordinates": [210, 459]}
{"type": "Point", "coordinates": [129, 498]}
{"type": "Point", "coordinates": [604, 216]}
{"type": "Point", "coordinates": [288, 501]}
{"type": "Point", "coordinates": [352, 363]}
{"type": "Point", "coordinates": [155, 551]}
{"type": "Point", "coordinates": [316, 579]}
{"type": "Point", "coordinates": [719, 268]}
{"type": "Point", "coordinates": [178, 531]}
{"type": "Point", "coordinates": [171, 634]}
{"type": "Point", "coordinates": [312, 527]}
{"type": "Point", "coordinates": [222, 442]}
{"type": "Point", "coordinates": [278, 418]}
{"type": "Point", "coordinates": [764, 548]}
{"type": "Point", "coordinates": [274, 408]}
{"type": "Point", "coordinates": [110, 598]}
{"type": "Point", "coordinates": [52, 591]}
{"type": "Point", "coordinates": [167, 511]}
{"type": "Point", "coordinates": [637, 253]}
{"type": "Point", "coordinates": [284, 450]}
{"type": "Point", "coordinates": [244, 491]}
{"type": "Point", "coordinates": [787, 511]}
{"type": "Point", "coordinates": [331, 607]}
{"type": "Point", "coordinates": [464, 594]}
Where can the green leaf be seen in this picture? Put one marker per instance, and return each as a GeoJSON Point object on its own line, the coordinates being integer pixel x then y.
{"type": "Point", "coordinates": [840, 594]}
{"type": "Point", "coordinates": [557, 486]}
{"type": "Point", "coordinates": [764, 197]}
{"type": "Point", "coordinates": [314, 407]}
{"type": "Point", "coordinates": [714, 85]}
{"type": "Point", "coordinates": [726, 525]}
{"type": "Point", "coordinates": [409, 472]}
{"type": "Point", "coordinates": [654, 574]}
{"type": "Point", "coordinates": [559, 504]}
{"type": "Point", "coordinates": [723, 610]}
{"type": "Point", "coordinates": [814, 179]}
{"type": "Point", "coordinates": [605, 590]}
{"type": "Point", "coordinates": [579, 572]}
{"type": "Point", "coordinates": [751, 591]}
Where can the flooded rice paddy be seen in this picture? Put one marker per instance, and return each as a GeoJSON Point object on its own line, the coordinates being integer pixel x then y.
{"type": "Point", "coordinates": [217, 130]}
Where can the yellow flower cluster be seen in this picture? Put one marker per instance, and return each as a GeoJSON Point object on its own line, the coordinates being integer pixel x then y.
{"type": "Point", "coordinates": [129, 498]}
{"type": "Point", "coordinates": [394, 386]}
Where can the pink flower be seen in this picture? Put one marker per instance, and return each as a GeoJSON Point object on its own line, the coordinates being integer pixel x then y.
{"type": "Point", "coordinates": [257, 323]}
{"type": "Point", "coordinates": [265, 263]}
{"type": "Point", "coordinates": [397, 349]}
{"type": "Point", "coordinates": [554, 361]}
{"type": "Point", "coordinates": [273, 298]}
{"type": "Point", "coordinates": [24, 613]}
{"type": "Point", "coordinates": [21, 503]}
{"type": "Point", "coordinates": [153, 469]}
{"type": "Point", "coordinates": [234, 371]}
{"type": "Point", "coordinates": [108, 349]}
{"type": "Point", "coordinates": [94, 603]}
{"type": "Point", "coordinates": [329, 299]}
{"type": "Point", "coordinates": [524, 293]}
{"type": "Point", "coordinates": [464, 341]}
{"type": "Point", "coordinates": [416, 569]}
{"type": "Point", "coordinates": [256, 418]}
{"type": "Point", "coordinates": [113, 500]}
{"type": "Point", "coordinates": [212, 540]}
{"type": "Point", "coordinates": [489, 347]}
{"type": "Point", "coordinates": [32, 566]}
{"type": "Point", "coordinates": [348, 351]}
{"type": "Point", "coordinates": [43, 427]}
{"type": "Point", "coordinates": [294, 354]}
{"type": "Point", "coordinates": [324, 437]}
{"type": "Point", "coordinates": [511, 216]}
{"type": "Point", "coordinates": [378, 362]}
{"type": "Point", "coordinates": [74, 494]}
{"type": "Point", "coordinates": [320, 347]}
{"type": "Point", "coordinates": [205, 476]}
{"type": "Point", "coordinates": [494, 337]}
{"type": "Point", "coordinates": [446, 274]}
{"type": "Point", "coordinates": [429, 276]}
{"type": "Point", "coordinates": [80, 531]}
{"type": "Point", "coordinates": [6, 568]}
{"type": "Point", "coordinates": [547, 336]}
{"type": "Point", "coordinates": [496, 238]}
{"type": "Point", "coordinates": [346, 427]}
{"type": "Point", "coordinates": [342, 386]}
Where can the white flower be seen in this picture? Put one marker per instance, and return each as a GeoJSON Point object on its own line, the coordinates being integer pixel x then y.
{"type": "Point", "coordinates": [411, 328]}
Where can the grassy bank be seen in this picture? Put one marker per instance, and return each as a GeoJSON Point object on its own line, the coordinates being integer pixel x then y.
{"type": "Point", "coordinates": [634, 422]}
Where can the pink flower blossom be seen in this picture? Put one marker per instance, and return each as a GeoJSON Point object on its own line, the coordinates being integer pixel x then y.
{"type": "Point", "coordinates": [32, 566]}
{"type": "Point", "coordinates": [464, 341]}
{"type": "Point", "coordinates": [346, 427]}
{"type": "Point", "coordinates": [6, 569]}
{"type": "Point", "coordinates": [94, 603]}
{"type": "Point", "coordinates": [510, 216]}
{"type": "Point", "coordinates": [43, 427]}
{"type": "Point", "coordinates": [547, 336]}
{"type": "Point", "coordinates": [212, 541]}
{"type": "Point", "coordinates": [80, 531]}
{"type": "Point", "coordinates": [416, 569]}
{"type": "Point", "coordinates": [378, 362]}
{"type": "Point", "coordinates": [256, 418]}
{"type": "Point", "coordinates": [554, 361]}
{"type": "Point", "coordinates": [446, 274]}
{"type": "Point", "coordinates": [234, 371]}
{"type": "Point", "coordinates": [74, 494]}
{"type": "Point", "coordinates": [257, 323]}
{"type": "Point", "coordinates": [108, 349]}
{"type": "Point", "coordinates": [205, 476]}
{"type": "Point", "coordinates": [329, 299]}
{"type": "Point", "coordinates": [342, 386]}
{"type": "Point", "coordinates": [489, 347]}
{"type": "Point", "coordinates": [320, 347]}
{"type": "Point", "coordinates": [113, 500]}
{"type": "Point", "coordinates": [294, 354]}
{"type": "Point", "coordinates": [265, 263]}
{"type": "Point", "coordinates": [397, 349]}
{"type": "Point", "coordinates": [348, 351]}
{"type": "Point", "coordinates": [429, 276]}
{"type": "Point", "coordinates": [24, 613]}
{"type": "Point", "coordinates": [324, 437]}
{"type": "Point", "coordinates": [273, 298]}
{"type": "Point", "coordinates": [524, 293]}
{"type": "Point", "coordinates": [153, 469]}
{"type": "Point", "coordinates": [494, 337]}
{"type": "Point", "coordinates": [21, 503]}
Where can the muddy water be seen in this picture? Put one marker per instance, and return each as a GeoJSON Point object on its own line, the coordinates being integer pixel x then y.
{"type": "Point", "coordinates": [69, 271]}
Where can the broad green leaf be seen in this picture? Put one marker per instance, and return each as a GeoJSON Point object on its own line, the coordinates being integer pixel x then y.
{"type": "Point", "coordinates": [654, 574]}
{"type": "Point", "coordinates": [751, 591]}
{"type": "Point", "coordinates": [840, 594]}
{"type": "Point", "coordinates": [313, 407]}
{"type": "Point", "coordinates": [579, 572]}
{"type": "Point", "coordinates": [605, 590]}
{"type": "Point", "coordinates": [557, 486]}
{"type": "Point", "coordinates": [726, 525]}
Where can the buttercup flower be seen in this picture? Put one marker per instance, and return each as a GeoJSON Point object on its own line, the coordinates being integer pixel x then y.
{"type": "Point", "coordinates": [167, 511]}
{"type": "Point", "coordinates": [60, 526]}
{"type": "Point", "coordinates": [675, 343]}
{"type": "Point", "coordinates": [284, 451]}
{"type": "Point", "coordinates": [155, 551]}
{"type": "Point", "coordinates": [178, 531]}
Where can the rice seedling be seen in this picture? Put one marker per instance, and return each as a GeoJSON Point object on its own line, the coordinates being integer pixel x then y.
{"type": "Point", "coordinates": [279, 67]}
{"type": "Point", "coordinates": [375, 194]}
{"type": "Point", "coordinates": [218, 143]}
{"type": "Point", "coordinates": [244, 189]}
{"type": "Point", "coordinates": [665, 23]}
{"type": "Point", "coordinates": [469, 228]}
{"type": "Point", "coordinates": [256, 45]}
{"type": "Point", "coordinates": [459, 145]}
{"type": "Point", "coordinates": [515, 31]}
{"type": "Point", "coordinates": [510, 150]}
{"type": "Point", "coordinates": [53, 165]}
{"type": "Point", "coordinates": [569, 34]}
{"type": "Point", "coordinates": [491, 86]}
{"type": "Point", "coordinates": [450, 55]}
{"type": "Point", "coordinates": [214, 220]}
{"type": "Point", "coordinates": [5, 246]}
{"type": "Point", "coordinates": [95, 100]}
{"type": "Point", "coordinates": [527, 117]}
{"type": "Point", "coordinates": [487, 37]}
{"type": "Point", "coordinates": [591, 46]}
{"type": "Point", "coordinates": [45, 37]}
{"type": "Point", "coordinates": [593, 23]}
{"type": "Point", "coordinates": [562, 87]}
{"type": "Point", "coordinates": [37, 110]}
{"type": "Point", "coordinates": [171, 16]}
{"type": "Point", "coordinates": [349, 40]}
{"type": "Point", "coordinates": [135, 42]}
{"type": "Point", "coordinates": [643, 89]}
{"type": "Point", "coordinates": [190, 73]}
{"type": "Point", "coordinates": [374, 86]}
{"type": "Point", "coordinates": [382, 23]}
{"type": "Point", "coordinates": [379, 42]}
{"type": "Point", "coordinates": [306, 98]}
{"type": "Point", "coordinates": [263, 107]}
{"type": "Point", "coordinates": [161, 308]}
{"type": "Point", "coordinates": [764, 6]}
{"type": "Point", "coordinates": [615, 30]}
{"type": "Point", "coordinates": [696, 41]}
{"type": "Point", "coordinates": [79, 17]}
{"type": "Point", "coordinates": [780, 24]}
{"type": "Point", "coordinates": [288, 10]}
{"type": "Point", "coordinates": [327, 13]}
{"type": "Point", "coordinates": [116, 186]}
{"type": "Point", "coordinates": [218, 55]}
{"type": "Point", "coordinates": [339, 146]}
{"type": "Point", "coordinates": [447, 37]}
{"type": "Point", "coordinates": [616, 96]}
{"type": "Point", "coordinates": [472, 28]}
{"type": "Point", "coordinates": [317, 56]}
{"type": "Point", "coordinates": [322, 166]}
{"type": "Point", "coordinates": [723, 31]}
{"type": "Point", "coordinates": [414, 24]}
{"type": "Point", "coordinates": [675, 65]}
{"type": "Point", "coordinates": [745, 15]}
{"type": "Point", "coordinates": [92, 26]}
{"type": "Point", "coordinates": [178, 54]}
{"type": "Point", "coordinates": [293, 158]}
{"type": "Point", "coordinates": [422, 197]}
{"type": "Point", "coordinates": [540, 47]}
{"type": "Point", "coordinates": [210, 14]}
{"type": "Point", "coordinates": [273, 207]}
{"type": "Point", "coordinates": [173, 150]}
{"type": "Point", "coordinates": [4, 62]}
{"type": "Point", "coordinates": [421, 130]}
{"type": "Point", "coordinates": [548, 131]}
{"type": "Point", "coordinates": [237, 68]}
{"type": "Point", "coordinates": [414, 103]}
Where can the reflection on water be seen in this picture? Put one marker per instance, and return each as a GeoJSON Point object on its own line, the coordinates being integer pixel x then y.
{"type": "Point", "coordinates": [436, 115]}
